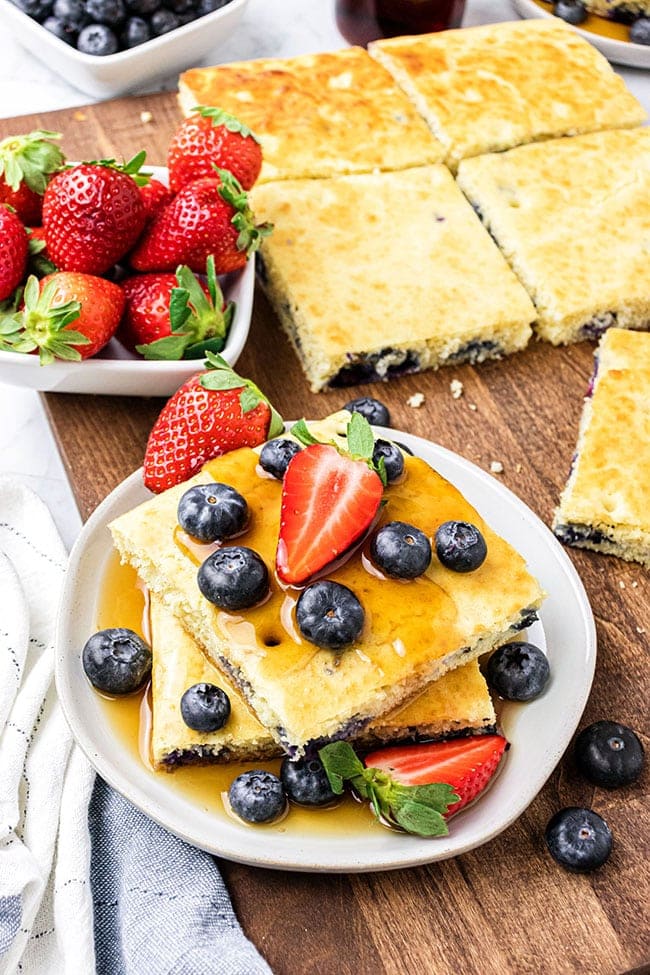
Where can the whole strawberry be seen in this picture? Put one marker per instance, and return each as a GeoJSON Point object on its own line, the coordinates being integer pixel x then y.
{"type": "Point", "coordinates": [93, 214]}
{"type": "Point", "coordinates": [208, 217]}
{"type": "Point", "coordinates": [13, 252]}
{"type": "Point", "coordinates": [67, 315]}
{"type": "Point", "coordinates": [155, 195]}
{"type": "Point", "coordinates": [26, 163]}
{"type": "Point", "coordinates": [213, 138]}
{"type": "Point", "coordinates": [212, 413]}
{"type": "Point", "coordinates": [174, 316]}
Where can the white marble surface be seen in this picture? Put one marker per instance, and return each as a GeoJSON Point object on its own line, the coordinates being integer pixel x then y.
{"type": "Point", "coordinates": [269, 28]}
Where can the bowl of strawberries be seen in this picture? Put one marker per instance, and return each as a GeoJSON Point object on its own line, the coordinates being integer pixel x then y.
{"type": "Point", "coordinates": [116, 278]}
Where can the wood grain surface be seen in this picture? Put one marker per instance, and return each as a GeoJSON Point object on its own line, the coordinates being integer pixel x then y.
{"type": "Point", "coordinates": [506, 908]}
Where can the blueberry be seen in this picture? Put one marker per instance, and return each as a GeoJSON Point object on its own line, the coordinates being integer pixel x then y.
{"type": "Point", "coordinates": [373, 410]}
{"type": "Point", "coordinates": [209, 512]}
{"type": "Point", "coordinates": [518, 671]}
{"type": "Point", "coordinates": [305, 781]}
{"type": "Point", "coordinates": [234, 578]}
{"type": "Point", "coordinates": [205, 707]}
{"type": "Point", "coordinates": [58, 28]}
{"type": "Point", "coordinates": [116, 661]}
{"type": "Point", "coordinates": [640, 31]}
{"type": "Point", "coordinates": [111, 12]}
{"type": "Point", "coordinates": [71, 13]}
{"type": "Point", "coordinates": [37, 9]}
{"type": "Point", "coordinates": [142, 8]}
{"type": "Point", "coordinates": [393, 460]}
{"type": "Point", "coordinates": [97, 39]}
{"type": "Point", "coordinates": [460, 546]}
{"type": "Point", "coordinates": [257, 796]}
{"type": "Point", "coordinates": [579, 839]}
{"type": "Point", "coordinates": [162, 21]}
{"type": "Point", "coordinates": [186, 18]}
{"type": "Point", "coordinates": [329, 615]}
{"type": "Point", "coordinates": [276, 454]}
{"type": "Point", "coordinates": [179, 6]}
{"type": "Point", "coordinates": [401, 550]}
{"type": "Point", "coordinates": [609, 754]}
{"type": "Point", "coordinates": [209, 6]}
{"type": "Point", "coordinates": [136, 31]}
{"type": "Point", "coordinates": [572, 11]}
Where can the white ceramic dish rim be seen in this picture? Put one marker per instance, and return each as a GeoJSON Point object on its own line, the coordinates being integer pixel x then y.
{"type": "Point", "coordinates": [60, 375]}
{"type": "Point", "coordinates": [545, 726]}
{"type": "Point", "coordinates": [124, 58]}
{"type": "Point", "coordinates": [620, 52]}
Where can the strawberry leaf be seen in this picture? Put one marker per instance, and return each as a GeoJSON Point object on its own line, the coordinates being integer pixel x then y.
{"type": "Point", "coordinates": [222, 376]}
{"type": "Point", "coordinates": [221, 117]}
{"type": "Point", "coordinates": [248, 400]}
{"type": "Point", "coordinates": [340, 762]}
{"type": "Point", "coordinates": [361, 442]}
{"type": "Point", "coordinates": [249, 235]}
{"type": "Point", "coordinates": [200, 350]}
{"type": "Point", "coordinates": [30, 159]}
{"type": "Point", "coordinates": [414, 817]}
{"type": "Point", "coordinates": [170, 347]}
{"type": "Point", "coordinates": [301, 432]}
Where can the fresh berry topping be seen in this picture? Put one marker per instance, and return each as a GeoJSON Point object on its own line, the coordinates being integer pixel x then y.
{"type": "Point", "coordinates": [276, 454]}
{"type": "Point", "coordinates": [640, 31]}
{"type": "Point", "coordinates": [13, 247]}
{"type": "Point", "coordinates": [162, 21]}
{"type": "Point", "coordinates": [175, 316]}
{"type": "Point", "coordinates": [578, 839]}
{"type": "Point", "coordinates": [212, 413]}
{"type": "Point", "coordinates": [609, 754]}
{"type": "Point", "coordinates": [460, 546]}
{"type": "Point", "coordinates": [66, 316]}
{"type": "Point", "coordinates": [329, 500]}
{"type": "Point", "coordinates": [572, 11]}
{"type": "Point", "coordinates": [329, 615]}
{"type": "Point", "coordinates": [257, 796]}
{"type": "Point", "coordinates": [466, 764]}
{"type": "Point", "coordinates": [518, 671]}
{"type": "Point", "coordinates": [205, 707]}
{"type": "Point", "coordinates": [372, 409]}
{"type": "Point", "coordinates": [418, 809]}
{"type": "Point", "coordinates": [111, 12]}
{"type": "Point", "coordinates": [305, 782]}
{"type": "Point", "coordinates": [71, 13]}
{"type": "Point", "coordinates": [116, 661]}
{"type": "Point", "coordinates": [208, 139]}
{"type": "Point", "coordinates": [234, 578]}
{"type": "Point", "coordinates": [401, 550]}
{"type": "Point", "coordinates": [59, 29]}
{"type": "Point", "coordinates": [100, 40]}
{"type": "Point", "coordinates": [210, 512]}
{"type": "Point", "coordinates": [93, 213]}
{"type": "Point", "coordinates": [391, 456]}
{"type": "Point", "coordinates": [136, 31]}
{"type": "Point", "coordinates": [26, 164]}
{"type": "Point", "coordinates": [209, 216]}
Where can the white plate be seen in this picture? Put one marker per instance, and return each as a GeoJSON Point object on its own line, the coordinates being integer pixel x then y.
{"type": "Point", "coordinates": [620, 52]}
{"type": "Point", "coordinates": [161, 57]}
{"type": "Point", "coordinates": [539, 731]}
{"type": "Point", "coordinates": [118, 372]}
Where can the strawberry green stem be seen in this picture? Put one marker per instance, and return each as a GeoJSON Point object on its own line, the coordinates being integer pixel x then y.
{"type": "Point", "coordinates": [42, 326]}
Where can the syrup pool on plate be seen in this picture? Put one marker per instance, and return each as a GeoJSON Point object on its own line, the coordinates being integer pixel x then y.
{"type": "Point", "coordinates": [122, 602]}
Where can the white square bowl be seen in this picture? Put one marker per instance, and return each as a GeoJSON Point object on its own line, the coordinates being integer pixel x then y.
{"type": "Point", "coordinates": [116, 74]}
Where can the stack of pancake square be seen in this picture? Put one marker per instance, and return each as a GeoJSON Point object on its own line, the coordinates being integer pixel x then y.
{"type": "Point", "coordinates": [379, 265]}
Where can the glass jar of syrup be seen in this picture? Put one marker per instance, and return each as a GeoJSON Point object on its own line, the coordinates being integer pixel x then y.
{"type": "Point", "coordinates": [361, 21]}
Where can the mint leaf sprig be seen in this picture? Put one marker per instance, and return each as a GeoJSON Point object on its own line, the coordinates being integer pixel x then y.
{"type": "Point", "coordinates": [360, 442]}
{"type": "Point", "coordinates": [417, 809]}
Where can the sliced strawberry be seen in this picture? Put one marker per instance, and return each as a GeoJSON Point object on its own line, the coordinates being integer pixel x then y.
{"type": "Point", "coordinates": [329, 501]}
{"type": "Point", "coordinates": [466, 764]}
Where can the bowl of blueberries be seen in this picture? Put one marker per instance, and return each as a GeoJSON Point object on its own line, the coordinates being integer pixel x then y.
{"type": "Point", "coordinates": [110, 47]}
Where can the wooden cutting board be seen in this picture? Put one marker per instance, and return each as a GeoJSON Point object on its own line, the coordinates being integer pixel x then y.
{"type": "Point", "coordinates": [506, 908]}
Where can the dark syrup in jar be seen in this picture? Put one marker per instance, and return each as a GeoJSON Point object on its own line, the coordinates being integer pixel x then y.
{"type": "Point", "coordinates": [361, 21]}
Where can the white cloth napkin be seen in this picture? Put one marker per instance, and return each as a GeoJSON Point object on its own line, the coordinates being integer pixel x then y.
{"type": "Point", "coordinates": [87, 882]}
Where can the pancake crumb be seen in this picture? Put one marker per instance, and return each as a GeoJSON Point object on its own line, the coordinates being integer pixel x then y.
{"type": "Point", "coordinates": [456, 388]}
{"type": "Point", "coordinates": [416, 400]}
{"type": "Point", "coordinates": [496, 467]}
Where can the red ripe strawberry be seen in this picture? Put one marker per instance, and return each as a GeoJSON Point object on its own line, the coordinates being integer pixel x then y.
{"type": "Point", "coordinates": [13, 252]}
{"type": "Point", "coordinates": [155, 195]}
{"type": "Point", "coordinates": [208, 217]}
{"type": "Point", "coordinates": [93, 214]}
{"type": "Point", "coordinates": [329, 500]}
{"type": "Point", "coordinates": [174, 316]}
{"type": "Point", "coordinates": [26, 162]}
{"type": "Point", "coordinates": [466, 764]}
{"type": "Point", "coordinates": [212, 413]}
{"type": "Point", "coordinates": [212, 138]}
{"type": "Point", "coordinates": [67, 315]}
